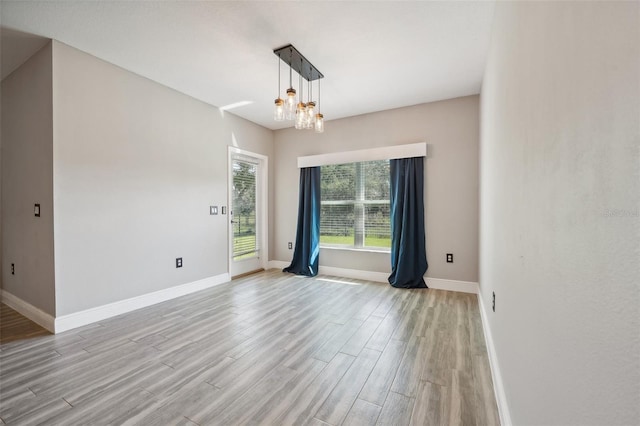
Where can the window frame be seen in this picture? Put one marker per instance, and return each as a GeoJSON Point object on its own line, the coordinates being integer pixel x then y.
{"type": "Point", "coordinates": [359, 203]}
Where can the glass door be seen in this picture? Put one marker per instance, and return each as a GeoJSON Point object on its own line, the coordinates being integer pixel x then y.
{"type": "Point", "coordinates": [245, 214]}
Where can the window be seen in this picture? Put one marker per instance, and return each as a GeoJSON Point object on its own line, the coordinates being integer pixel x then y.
{"type": "Point", "coordinates": [245, 244]}
{"type": "Point", "coordinates": [355, 205]}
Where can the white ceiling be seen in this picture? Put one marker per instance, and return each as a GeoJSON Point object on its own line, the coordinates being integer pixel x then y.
{"type": "Point", "coordinates": [374, 55]}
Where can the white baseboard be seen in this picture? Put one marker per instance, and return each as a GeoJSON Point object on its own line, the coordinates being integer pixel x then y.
{"type": "Point", "coordinates": [435, 283]}
{"type": "Point", "coordinates": [28, 310]}
{"type": "Point", "coordinates": [339, 272]}
{"type": "Point", "coordinates": [78, 319]}
{"type": "Point", "coordinates": [355, 274]}
{"type": "Point", "coordinates": [277, 264]}
{"type": "Point", "coordinates": [498, 386]}
{"type": "Point", "coordinates": [452, 285]}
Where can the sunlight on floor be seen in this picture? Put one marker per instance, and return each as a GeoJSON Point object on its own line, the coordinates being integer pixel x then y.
{"type": "Point", "coordinates": [337, 281]}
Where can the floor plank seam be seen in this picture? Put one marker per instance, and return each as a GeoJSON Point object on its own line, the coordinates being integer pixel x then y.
{"type": "Point", "coordinates": [192, 421]}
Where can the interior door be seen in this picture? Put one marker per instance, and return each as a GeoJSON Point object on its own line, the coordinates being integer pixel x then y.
{"type": "Point", "coordinates": [246, 213]}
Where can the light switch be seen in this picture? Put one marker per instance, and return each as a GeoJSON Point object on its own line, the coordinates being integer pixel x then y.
{"type": "Point", "coordinates": [36, 210]}
{"type": "Point", "coordinates": [213, 209]}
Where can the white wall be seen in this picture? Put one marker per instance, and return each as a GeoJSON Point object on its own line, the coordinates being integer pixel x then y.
{"type": "Point", "coordinates": [26, 180]}
{"type": "Point", "coordinates": [136, 166]}
{"type": "Point", "coordinates": [450, 129]}
{"type": "Point", "coordinates": [560, 209]}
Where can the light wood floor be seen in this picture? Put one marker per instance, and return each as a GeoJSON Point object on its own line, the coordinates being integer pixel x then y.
{"type": "Point", "coordinates": [14, 326]}
{"type": "Point", "coordinates": [271, 349]}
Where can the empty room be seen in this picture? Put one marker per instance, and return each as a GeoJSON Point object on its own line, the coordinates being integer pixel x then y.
{"type": "Point", "coordinates": [320, 212]}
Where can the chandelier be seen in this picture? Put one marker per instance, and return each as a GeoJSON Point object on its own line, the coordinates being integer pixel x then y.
{"type": "Point", "coordinates": [304, 114]}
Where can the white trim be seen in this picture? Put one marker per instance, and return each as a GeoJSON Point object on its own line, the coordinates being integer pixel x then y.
{"type": "Point", "coordinates": [357, 249]}
{"type": "Point", "coordinates": [277, 264]}
{"type": "Point", "coordinates": [78, 319]}
{"type": "Point", "coordinates": [452, 285]}
{"type": "Point", "coordinates": [36, 315]}
{"type": "Point", "coordinates": [247, 153]}
{"type": "Point", "coordinates": [371, 154]}
{"type": "Point", "coordinates": [354, 273]}
{"type": "Point", "coordinates": [498, 385]}
{"type": "Point", "coordinates": [339, 272]}
{"type": "Point", "coordinates": [434, 283]}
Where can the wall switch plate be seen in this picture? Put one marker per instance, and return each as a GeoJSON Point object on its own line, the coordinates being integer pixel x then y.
{"type": "Point", "coordinates": [290, 245]}
{"type": "Point", "coordinates": [13, 269]}
{"type": "Point", "coordinates": [213, 209]}
{"type": "Point", "coordinates": [224, 209]}
{"type": "Point", "coordinates": [36, 210]}
{"type": "Point", "coordinates": [178, 262]}
{"type": "Point", "coordinates": [449, 257]}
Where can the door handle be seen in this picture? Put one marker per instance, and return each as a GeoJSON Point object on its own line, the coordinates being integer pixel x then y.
{"type": "Point", "coordinates": [233, 221]}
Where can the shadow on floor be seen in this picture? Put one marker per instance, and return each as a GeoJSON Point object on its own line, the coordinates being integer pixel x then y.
{"type": "Point", "coordinates": [14, 326]}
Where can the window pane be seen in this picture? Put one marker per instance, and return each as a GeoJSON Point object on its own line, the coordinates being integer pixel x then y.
{"type": "Point", "coordinates": [376, 180]}
{"type": "Point", "coordinates": [337, 182]}
{"type": "Point", "coordinates": [377, 225]}
{"type": "Point", "coordinates": [336, 224]}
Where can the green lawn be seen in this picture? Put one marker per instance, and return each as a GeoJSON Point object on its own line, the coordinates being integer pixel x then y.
{"type": "Point", "coordinates": [247, 242]}
{"type": "Point", "coordinates": [244, 243]}
{"type": "Point", "coordinates": [348, 240]}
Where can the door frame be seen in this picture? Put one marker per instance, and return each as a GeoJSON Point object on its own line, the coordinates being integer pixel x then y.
{"type": "Point", "coordinates": [262, 205]}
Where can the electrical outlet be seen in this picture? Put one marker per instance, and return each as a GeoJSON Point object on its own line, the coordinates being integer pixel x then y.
{"type": "Point", "coordinates": [178, 262]}
{"type": "Point", "coordinates": [449, 257]}
{"type": "Point", "coordinates": [13, 269]}
{"type": "Point", "coordinates": [493, 303]}
{"type": "Point", "coordinates": [290, 245]}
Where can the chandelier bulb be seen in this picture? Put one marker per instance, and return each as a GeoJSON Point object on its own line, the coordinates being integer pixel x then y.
{"type": "Point", "coordinates": [311, 113]}
{"type": "Point", "coordinates": [278, 113]}
{"type": "Point", "coordinates": [301, 116]}
{"type": "Point", "coordinates": [319, 123]}
{"type": "Point", "coordinates": [290, 103]}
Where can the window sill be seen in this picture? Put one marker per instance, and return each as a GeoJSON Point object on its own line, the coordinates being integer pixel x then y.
{"type": "Point", "coordinates": [358, 249]}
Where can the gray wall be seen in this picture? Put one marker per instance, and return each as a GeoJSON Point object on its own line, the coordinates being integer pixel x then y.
{"type": "Point", "coordinates": [560, 209]}
{"type": "Point", "coordinates": [450, 128]}
{"type": "Point", "coordinates": [136, 166]}
{"type": "Point", "coordinates": [27, 171]}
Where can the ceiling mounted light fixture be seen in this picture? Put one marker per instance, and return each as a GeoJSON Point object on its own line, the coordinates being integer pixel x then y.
{"type": "Point", "coordinates": [305, 115]}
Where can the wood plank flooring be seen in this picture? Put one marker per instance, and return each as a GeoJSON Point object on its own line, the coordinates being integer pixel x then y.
{"type": "Point", "coordinates": [267, 349]}
{"type": "Point", "coordinates": [14, 326]}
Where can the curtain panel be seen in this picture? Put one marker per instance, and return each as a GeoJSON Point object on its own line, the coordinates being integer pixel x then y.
{"type": "Point", "coordinates": [307, 249]}
{"type": "Point", "coordinates": [408, 252]}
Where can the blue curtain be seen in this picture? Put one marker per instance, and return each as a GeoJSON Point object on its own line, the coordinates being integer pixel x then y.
{"type": "Point", "coordinates": [408, 252]}
{"type": "Point", "coordinates": [307, 250]}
